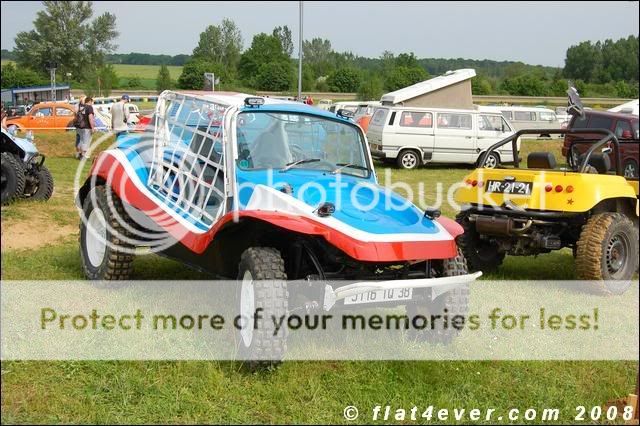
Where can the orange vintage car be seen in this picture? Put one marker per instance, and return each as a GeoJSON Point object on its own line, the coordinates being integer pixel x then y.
{"type": "Point", "coordinates": [46, 115]}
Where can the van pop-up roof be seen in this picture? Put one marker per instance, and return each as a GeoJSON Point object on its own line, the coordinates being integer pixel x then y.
{"type": "Point", "coordinates": [451, 90]}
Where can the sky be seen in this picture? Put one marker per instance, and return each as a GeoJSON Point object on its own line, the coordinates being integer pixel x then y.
{"type": "Point", "coordinates": [536, 33]}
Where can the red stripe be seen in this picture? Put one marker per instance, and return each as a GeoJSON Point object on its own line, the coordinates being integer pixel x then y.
{"type": "Point", "coordinates": [122, 185]}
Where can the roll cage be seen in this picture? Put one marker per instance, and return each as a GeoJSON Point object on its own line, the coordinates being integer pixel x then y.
{"type": "Point", "coordinates": [608, 137]}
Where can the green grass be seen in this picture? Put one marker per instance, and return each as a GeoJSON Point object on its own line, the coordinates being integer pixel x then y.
{"type": "Point", "coordinates": [298, 392]}
{"type": "Point", "coordinates": [147, 74]}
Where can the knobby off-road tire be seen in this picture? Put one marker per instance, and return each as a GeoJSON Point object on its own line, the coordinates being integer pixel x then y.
{"type": "Point", "coordinates": [44, 188]}
{"type": "Point", "coordinates": [481, 255]}
{"type": "Point", "coordinates": [454, 303]}
{"type": "Point", "coordinates": [115, 262]}
{"type": "Point", "coordinates": [13, 178]}
{"type": "Point", "coordinates": [608, 250]}
{"type": "Point", "coordinates": [262, 286]}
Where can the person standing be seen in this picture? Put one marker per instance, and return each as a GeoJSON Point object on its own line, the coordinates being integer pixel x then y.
{"type": "Point", "coordinates": [120, 116]}
{"type": "Point", "coordinates": [80, 105]}
{"type": "Point", "coordinates": [85, 126]}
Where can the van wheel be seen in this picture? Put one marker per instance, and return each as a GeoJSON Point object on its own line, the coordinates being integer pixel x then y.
{"type": "Point", "coordinates": [408, 159]}
{"type": "Point", "coordinates": [630, 169]}
{"type": "Point", "coordinates": [262, 286]}
{"type": "Point", "coordinates": [608, 252]}
{"type": "Point", "coordinates": [491, 162]}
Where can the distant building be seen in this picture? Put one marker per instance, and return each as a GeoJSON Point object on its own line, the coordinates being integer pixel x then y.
{"type": "Point", "coordinates": [451, 90]}
{"type": "Point", "coordinates": [26, 95]}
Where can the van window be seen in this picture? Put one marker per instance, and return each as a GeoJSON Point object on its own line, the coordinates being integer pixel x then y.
{"type": "Point", "coordinates": [379, 116]}
{"type": "Point", "coordinates": [599, 122]}
{"type": "Point", "coordinates": [454, 121]}
{"type": "Point", "coordinates": [547, 116]}
{"type": "Point", "coordinates": [524, 116]}
{"type": "Point", "coordinates": [621, 127]}
{"type": "Point", "coordinates": [507, 115]}
{"type": "Point", "coordinates": [492, 123]}
{"type": "Point", "coordinates": [416, 119]}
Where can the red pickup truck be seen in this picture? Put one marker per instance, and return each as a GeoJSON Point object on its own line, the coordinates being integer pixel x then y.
{"type": "Point", "coordinates": [624, 126]}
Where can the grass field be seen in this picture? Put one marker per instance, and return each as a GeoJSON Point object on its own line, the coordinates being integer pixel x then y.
{"type": "Point", "coordinates": [146, 73]}
{"type": "Point", "coordinates": [40, 242]}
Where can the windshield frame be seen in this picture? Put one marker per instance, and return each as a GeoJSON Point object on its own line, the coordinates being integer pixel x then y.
{"type": "Point", "coordinates": [368, 163]}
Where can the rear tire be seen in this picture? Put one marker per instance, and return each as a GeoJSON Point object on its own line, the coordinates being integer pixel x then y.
{"type": "Point", "coordinates": [453, 304]}
{"type": "Point", "coordinates": [104, 251]}
{"type": "Point", "coordinates": [607, 251]}
{"type": "Point", "coordinates": [481, 255]}
{"type": "Point", "coordinates": [262, 286]}
{"type": "Point", "coordinates": [408, 159]}
{"type": "Point", "coordinates": [491, 162]}
{"type": "Point", "coordinates": [630, 168]}
{"type": "Point", "coordinates": [44, 188]}
{"type": "Point", "coordinates": [13, 178]}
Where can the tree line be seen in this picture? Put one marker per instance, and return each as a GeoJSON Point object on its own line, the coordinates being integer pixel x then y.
{"type": "Point", "coordinates": [84, 53]}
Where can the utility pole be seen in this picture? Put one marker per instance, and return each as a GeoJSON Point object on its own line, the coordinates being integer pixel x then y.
{"type": "Point", "coordinates": [300, 57]}
{"type": "Point", "coordinates": [52, 72]}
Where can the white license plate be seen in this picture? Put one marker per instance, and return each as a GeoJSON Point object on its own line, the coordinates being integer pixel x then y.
{"type": "Point", "coordinates": [377, 296]}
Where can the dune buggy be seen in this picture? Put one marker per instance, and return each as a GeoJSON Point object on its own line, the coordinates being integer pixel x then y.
{"type": "Point", "coordinates": [542, 208]}
{"type": "Point", "coordinates": [261, 190]}
{"type": "Point", "coordinates": [24, 174]}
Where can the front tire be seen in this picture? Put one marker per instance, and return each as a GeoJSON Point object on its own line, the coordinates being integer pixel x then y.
{"type": "Point", "coordinates": [44, 185]}
{"type": "Point", "coordinates": [263, 287]}
{"type": "Point", "coordinates": [408, 159]}
{"type": "Point", "coordinates": [104, 251]}
{"type": "Point", "coordinates": [481, 255]}
{"type": "Point", "coordinates": [13, 178]}
{"type": "Point", "coordinates": [608, 251]}
{"type": "Point", "coordinates": [454, 303]}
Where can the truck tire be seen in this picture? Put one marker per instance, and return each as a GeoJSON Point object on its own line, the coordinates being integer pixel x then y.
{"type": "Point", "coordinates": [262, 286]}
{"type": "Point", "coordinates": [13, 178]}
{"type": "Point", "coordinates": [607, 251]}
{"type": "Point", "coordinates": [44, 188]}
{"type": "Point", "coordinates": [408, 159]}
{"type": "Point", "coordinates": [630, 168]}
{"type": "Point", "coordinates": [454, 303]}
{"type": "Point", "coordinates": [481, 255]}
{"type": "Point", "coordinates": [104, 252]}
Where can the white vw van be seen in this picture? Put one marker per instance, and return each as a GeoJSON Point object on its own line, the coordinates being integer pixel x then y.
{"type": "Point", "coordinates": [415, 136]}
{"type": "Point", "coordinates": [521, 117]}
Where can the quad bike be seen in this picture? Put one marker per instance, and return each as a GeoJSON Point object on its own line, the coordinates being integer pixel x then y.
{"type": "Point", "coordinates": [24, 174]}
{"type": "Point", "coordinates": [237, 183]}
{"type": "Point", "coordinates": [524, 212]}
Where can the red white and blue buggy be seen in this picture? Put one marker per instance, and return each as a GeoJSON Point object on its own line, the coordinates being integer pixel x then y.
{"type": "Point", "coordinates": [279, 195]}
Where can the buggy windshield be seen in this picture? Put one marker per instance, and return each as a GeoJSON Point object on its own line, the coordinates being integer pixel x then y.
{"type": "Point", "coordinates": [284, 141]}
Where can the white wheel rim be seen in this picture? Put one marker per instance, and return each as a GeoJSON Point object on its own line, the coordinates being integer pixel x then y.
{"type": "Point", "coordinates": [247, 308]}
{"type": "Point", "coordinates": [409, 161]}
{"type": "Point", "coordinates": [490, 163]}
{"type": "Point", "coordinates": [630, 170]}
{"type": "Point", "coordinates": [96, 237]}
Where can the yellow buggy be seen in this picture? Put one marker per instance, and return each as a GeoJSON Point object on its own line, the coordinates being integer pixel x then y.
{"type": "Point", "coordinates": [592, 209]}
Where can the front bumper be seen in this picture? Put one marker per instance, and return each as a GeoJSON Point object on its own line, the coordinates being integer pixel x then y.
{"type": "Point", "coordinates": [439, 285]}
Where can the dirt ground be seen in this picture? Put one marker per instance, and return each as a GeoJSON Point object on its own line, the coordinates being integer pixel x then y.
{"type": "Point", "coordinates": [34, 233]}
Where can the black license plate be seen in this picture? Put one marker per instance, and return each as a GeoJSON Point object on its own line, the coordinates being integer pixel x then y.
{"type": "Point", "coordinates": [509, 187]}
